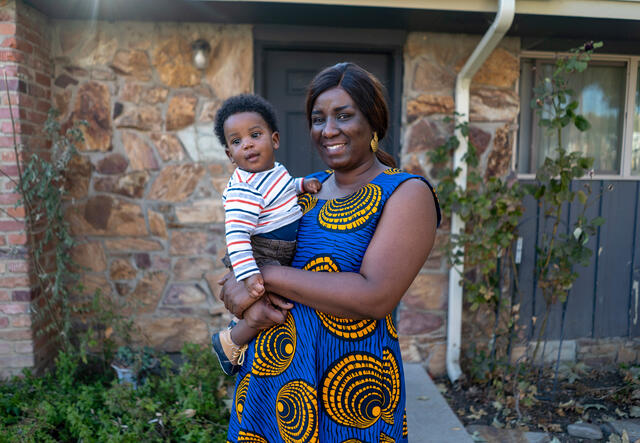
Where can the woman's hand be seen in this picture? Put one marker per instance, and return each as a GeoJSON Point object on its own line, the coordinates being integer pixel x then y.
{"type": "Point", "coordinates": [234, 295]}
{"type": "Point", "coordinates": [264, 314]}
{"type": "Point", "coordinates": [237, 300]}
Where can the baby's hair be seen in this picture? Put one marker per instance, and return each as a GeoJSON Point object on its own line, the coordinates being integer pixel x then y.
{"type": "Point", "coordinates": [244, 103]}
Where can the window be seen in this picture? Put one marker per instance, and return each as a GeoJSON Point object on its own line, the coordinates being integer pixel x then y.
{"type": "Point", "coordinates": [609, 95]}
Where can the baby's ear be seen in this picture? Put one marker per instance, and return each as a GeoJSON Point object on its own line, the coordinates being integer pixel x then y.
{"type": "Point", "coordinates": [275, 139]}
{"type": "Point", "coordinates": [226, 151]}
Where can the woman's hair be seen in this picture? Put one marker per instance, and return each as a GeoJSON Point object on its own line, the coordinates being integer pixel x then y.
{"type": "Point", "coordinates": [366, 91]}
{"type": "Point", "coordinates": [244, 103]}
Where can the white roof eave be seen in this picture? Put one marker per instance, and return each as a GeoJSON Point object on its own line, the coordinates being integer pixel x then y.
{"type": "Point", "coordinates": [612, 9]}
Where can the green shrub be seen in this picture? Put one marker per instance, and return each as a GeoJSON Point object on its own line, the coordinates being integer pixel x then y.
{"type": "Point", "coordinates": [76, 402]}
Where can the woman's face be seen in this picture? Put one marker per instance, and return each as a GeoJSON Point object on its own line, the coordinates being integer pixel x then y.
{"type": "Point", "coordinates": [340, 131]}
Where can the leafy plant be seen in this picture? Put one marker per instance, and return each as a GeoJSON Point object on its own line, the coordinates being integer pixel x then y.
{"type": "Point", "coordinates": [561, 249]}
{"type": "Point", "coordinates": [41, 184]}
{"type": "Point", "coordinates": [137, 358]}
{"type": "Point", "coordinates": [491, 210]}
{"type": "Point", "coordinates": [78, 403]}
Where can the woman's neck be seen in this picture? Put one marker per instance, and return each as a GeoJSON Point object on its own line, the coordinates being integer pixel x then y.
{"type": "Point", "coordinates": [344, 183]}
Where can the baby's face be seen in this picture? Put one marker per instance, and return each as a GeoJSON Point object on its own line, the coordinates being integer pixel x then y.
{"type": "Point", "coordinates": [250, 143]}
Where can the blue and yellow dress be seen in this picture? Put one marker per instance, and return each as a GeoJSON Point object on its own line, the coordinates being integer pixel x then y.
{"type": "Point", "coordinates": [317, 377]}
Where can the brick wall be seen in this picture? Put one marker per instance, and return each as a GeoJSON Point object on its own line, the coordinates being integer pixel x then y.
{"type": "Point", "coordinates": [24, 59]}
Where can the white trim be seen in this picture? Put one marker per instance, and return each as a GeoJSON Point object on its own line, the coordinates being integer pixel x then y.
{"type": "Point", "coordinates": [630, 109]}
{"type": "Point", "coordinates": [631, 63]}
{"type": "Point", "coordinates": [606, 177]}
{"type": "Point", "coordinates": [495, 33]}
{"type": "Point", "coordinates": [614, 9]}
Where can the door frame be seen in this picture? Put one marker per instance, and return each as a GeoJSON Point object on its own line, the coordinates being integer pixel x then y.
{"type": "Point", "coordinates": [315, 38]}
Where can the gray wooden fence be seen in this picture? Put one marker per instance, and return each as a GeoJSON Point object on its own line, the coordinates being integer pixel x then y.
{"type": "Point", "coordinates": [604, 301]}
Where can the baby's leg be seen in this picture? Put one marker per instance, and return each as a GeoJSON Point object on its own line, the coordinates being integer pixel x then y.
{"type": "Point", "coordinates": [241, 334]}
{"type": "Point", "coordinates": [230, 346]}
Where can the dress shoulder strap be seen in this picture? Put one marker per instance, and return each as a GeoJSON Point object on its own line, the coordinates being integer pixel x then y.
{"type": "Point", "coordinates": [394, 177]}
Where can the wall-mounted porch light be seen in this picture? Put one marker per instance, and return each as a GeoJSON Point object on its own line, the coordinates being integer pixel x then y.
{"type": "Point", "coordinates": [200, 53]}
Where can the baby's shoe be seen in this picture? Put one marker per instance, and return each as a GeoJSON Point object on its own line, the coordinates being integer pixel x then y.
{"type": "Point", "coordinates": [230, 355]}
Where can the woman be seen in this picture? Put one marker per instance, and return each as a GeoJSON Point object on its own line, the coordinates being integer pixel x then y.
{"type": "Point", "coordinates": [332, 371]}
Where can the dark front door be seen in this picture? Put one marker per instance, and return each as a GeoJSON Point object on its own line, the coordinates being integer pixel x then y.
{"type": "Point", "coordinates": [285, 77]}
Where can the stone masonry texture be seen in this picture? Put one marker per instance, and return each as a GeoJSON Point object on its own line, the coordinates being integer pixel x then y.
{"type": "Point", "coordinates": [431, 63]}
{"type": "Point", "coordinates": [145, 190]}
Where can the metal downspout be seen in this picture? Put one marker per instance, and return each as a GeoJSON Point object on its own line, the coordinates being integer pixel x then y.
{"type": "Point", "coordinates": [499, 27]}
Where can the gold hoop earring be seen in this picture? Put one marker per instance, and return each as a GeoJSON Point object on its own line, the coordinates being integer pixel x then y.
{"type": "Point", "coordinates": [374, 142]}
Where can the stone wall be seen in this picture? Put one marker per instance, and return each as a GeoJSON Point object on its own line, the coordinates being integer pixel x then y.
{"type": "Point", "coordinates": [147, 209]}
{"type": "Point", "coordinates": [25, 60]}
{"type": "Point", "coordinates": [431, 64]}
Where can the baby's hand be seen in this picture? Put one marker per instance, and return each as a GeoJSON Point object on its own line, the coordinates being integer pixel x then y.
{"type": "Point", "coordinates": [312, 185]}
{"type": "Point", "coordinates": [254, 285]}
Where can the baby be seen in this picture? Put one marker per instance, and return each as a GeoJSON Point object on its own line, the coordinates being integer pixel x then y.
{"type": "Point", "coordinates": [260, 205]}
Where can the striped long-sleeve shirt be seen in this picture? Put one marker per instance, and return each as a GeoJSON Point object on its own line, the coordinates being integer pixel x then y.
{"type": "Point", "coordinates": [254, 203]}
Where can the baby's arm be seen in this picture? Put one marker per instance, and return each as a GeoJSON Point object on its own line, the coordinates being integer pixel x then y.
{"type": "Point", "coordinates": [242, 206]}
{"type": "Point", "coordinates": [311, 185]}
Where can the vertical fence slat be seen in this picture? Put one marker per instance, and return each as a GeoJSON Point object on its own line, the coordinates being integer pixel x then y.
{"type": "Point", "coordinates": [580, 302]}
{"type": "Point", "coordinates": [634, 292]}
{"type": "Point", "coordinates": [614, 264]}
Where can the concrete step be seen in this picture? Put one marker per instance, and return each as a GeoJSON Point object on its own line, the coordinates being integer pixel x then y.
{"type": "Point", "coordinates": [429, 417]}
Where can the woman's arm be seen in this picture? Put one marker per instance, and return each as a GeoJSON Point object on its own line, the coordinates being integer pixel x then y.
{"type": "Point", "coordinates": [399, 247]}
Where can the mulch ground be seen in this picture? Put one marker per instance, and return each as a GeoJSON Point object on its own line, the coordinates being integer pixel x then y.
{"type": "Point", "coordinates": [534, 404]}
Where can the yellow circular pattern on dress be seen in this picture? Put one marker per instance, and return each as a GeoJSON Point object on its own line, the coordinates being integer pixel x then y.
{"type": "Point", "coordinates": [392, 171]}
{"type": "Point", "coordinates": [405, 429]}
{"type": "Point", "coordinates": [341, 327]}
{"type": "Point", "coordinates": [307, 202]}
{"type": "Point", "coordinates": [391, 384]}
{"type": "Point", "coordinates": [384, 438]}
{"type": "Point", "coordinates": [241, 395]}
{"type": "Point", "coordinates": [297, 411]}
{"type": "Point", "coordinates": [275, 348]}
{"type": "Point", "coordinates": [391, 327]}
{"type": "Point", "coordinates": [321, 263]}
{"type": "Point", "coordinates": [351, 213]}
{"type": "Point", "coordinates": [347, 328]}
{"type": "Point", "coordinates": [250, 437]}
{"type": "Point", "coordinates": [352, 390]}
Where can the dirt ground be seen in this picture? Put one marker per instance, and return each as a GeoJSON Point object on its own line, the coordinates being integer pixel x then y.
{"type": "Point", "coordinates": [539, 402]}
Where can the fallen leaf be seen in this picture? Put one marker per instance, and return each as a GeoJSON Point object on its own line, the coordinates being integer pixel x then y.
{"type": "Point", "coordinates": [476, 414]}
{"type": "Point", "coordinates": [567, 404]}
{"type": "Point", "coordinates": [422, 398]}
{"type": "Point", "coordinates": [555, 427]}
{"type": "Point", "coordinates": [621, 413]}
{"type": "Point", "coordinates": [594, 406]}
{"type": "Point", "coordinates": [188, 413]}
